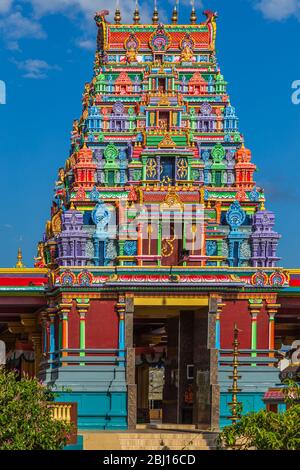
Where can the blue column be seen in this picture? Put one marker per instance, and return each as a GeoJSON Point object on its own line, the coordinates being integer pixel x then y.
{"type": "Point", "coordinates": [44, 337]}
{"type": "Point", "coordinates": [52, 338]}
{"type": "Point", "coordinates": [121, 313]}
{"type": "Point", "coordinates": [218, 326]}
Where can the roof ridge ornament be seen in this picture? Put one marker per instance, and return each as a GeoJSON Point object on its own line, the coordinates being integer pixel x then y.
{"type": "Point", "coordinates": [193, 17]}
{"type": "Point", "coordinates": [19, 263]}
{"type": "Point", "coordinates": [136, 14]}
{"type": "Point", "coordinates": [155, 16]}
{"type": "Point", "coordinates": [175, 15]}
{"type": "Point", "coordinates": [118, 16]}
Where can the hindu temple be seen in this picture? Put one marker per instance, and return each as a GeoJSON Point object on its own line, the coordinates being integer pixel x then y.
{"type": "Point", "coordinates": [157, 243]}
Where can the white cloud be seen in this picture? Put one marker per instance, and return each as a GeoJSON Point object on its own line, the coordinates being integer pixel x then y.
{"type": "Point", "coordinates": [86, 7]}
{"type": "Point", "coordinates": [35, 68]}
{"type": "Point", "coordinates": [279, 9]}
{"type": "Point", "coordinates": [87, 44]}
{"type": "Point", "coordinates": [15, 26]}
{"type": "Point", "coordinates": [5, 6]}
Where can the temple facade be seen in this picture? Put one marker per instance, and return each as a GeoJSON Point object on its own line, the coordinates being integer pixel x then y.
{"type": "Point", "coordinates": [159, 240]}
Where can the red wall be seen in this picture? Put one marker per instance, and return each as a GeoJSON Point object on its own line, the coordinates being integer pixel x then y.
{"type": "Point", "coordinates": [102, 325]}
{"type": "Point", "coordinates": [237, 311]}
{"type": "Point", "coordinates": [263, 329]}
{"type": "Point", "coordinates": [74, 328]}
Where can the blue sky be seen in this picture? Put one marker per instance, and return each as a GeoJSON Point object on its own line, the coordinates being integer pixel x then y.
{"type": "Point", "coordinates": [46, 55]}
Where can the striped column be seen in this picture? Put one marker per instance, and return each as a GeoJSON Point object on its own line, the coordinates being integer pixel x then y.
{"type": "Point", "coordinates": [255, 306]}
{"type": "Point", "coordinates": [272, 310]}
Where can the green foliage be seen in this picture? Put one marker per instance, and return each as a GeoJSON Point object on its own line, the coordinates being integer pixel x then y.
{"type": "Point", "coordinates": [26, 421]}
{"type": "Point", "coordinates": [266, 430]}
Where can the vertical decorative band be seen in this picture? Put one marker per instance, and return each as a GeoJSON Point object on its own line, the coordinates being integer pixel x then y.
{"type": "Point", "coordinates": [44, 326]}
{"type": "Point", "coordinates": [121, 308]}
{"type": "Point", "coordinates": [254, 315]}
{"type": "Point", "coordinates": [272, 311]}
{"type": "Point", "coordinates": [255, 306]}
{"type": "Point", "coordinates": [52, 311]}
{"type": "Point", "coordinates": [82, 307]}
{"type": "Point", "coordinates": [64, 311]}
{"type": "Point", "coordinates": [159, 238]}
{"type": "Point", "coordinates": [218, 325]}
{"type": "Point", "coordinates": [140, 244]}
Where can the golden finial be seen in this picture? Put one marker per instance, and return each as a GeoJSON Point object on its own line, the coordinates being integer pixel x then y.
{"type": "Point", "coordinates": [20, 259]}
{"type": "Point", "coordinates": [193, 16]}
{"type": "Point", "coordinates": [175, 15]}
{"type": "Point", "coordinates": [117, 17]}
{"type": "Point", "coordinates": [72, 207]}
{"type": "Point", "coordinates": [155, 17]}
{"type": "Point", "coordinates": [262, 206]}
{"type": "Point", "coordinates": [136, 14]}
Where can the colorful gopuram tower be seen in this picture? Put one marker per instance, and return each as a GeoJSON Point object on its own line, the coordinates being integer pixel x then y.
{"type": "Point", "coordinates": [155, 212]}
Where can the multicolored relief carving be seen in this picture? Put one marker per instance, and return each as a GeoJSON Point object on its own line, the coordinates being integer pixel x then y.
{"type": "Point", "coordinates": [157, 120]}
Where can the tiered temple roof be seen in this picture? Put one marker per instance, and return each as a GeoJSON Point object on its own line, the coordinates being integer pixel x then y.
{"type": "Point", "coordinates": [157, 122]}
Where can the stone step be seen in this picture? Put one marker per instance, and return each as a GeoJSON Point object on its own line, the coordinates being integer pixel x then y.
{"type": "Point", "coordinates": [175, 427]}
{"type": "Point", "coordinates": [126, 440]}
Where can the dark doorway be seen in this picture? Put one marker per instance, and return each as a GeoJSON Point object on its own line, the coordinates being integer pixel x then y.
{"type": "Point", "coordinates": [165, 356]}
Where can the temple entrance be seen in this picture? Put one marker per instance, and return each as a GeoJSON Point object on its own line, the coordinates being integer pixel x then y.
{"type": "Point", "coordinates": [166, 354]}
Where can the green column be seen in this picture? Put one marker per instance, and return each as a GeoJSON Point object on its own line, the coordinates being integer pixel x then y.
{"type": "Point", "coordinates": [82, 332]}
{"type": "Point", "coordinates": [82, 307]}
{"type": "Point", "coordinates": [189, 169]}
{"type": "Point", "coordinates": [253, 332]}
{"type": "Point", "coordinates": [255, 307]}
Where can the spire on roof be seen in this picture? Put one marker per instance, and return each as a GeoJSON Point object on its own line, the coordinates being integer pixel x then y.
{"type": "Point", "coordinates": [19, 263]}
{"type": "Point", "coordinates": [117, 17]}
{"type": "Point", "coordinates": [136, 14]}
{"type": "Point", "coordinates": [193, 17]}
{"type": "Point", "coordinates": [175, 15]}
{"type": "Point", "coordinates": [155, 17]}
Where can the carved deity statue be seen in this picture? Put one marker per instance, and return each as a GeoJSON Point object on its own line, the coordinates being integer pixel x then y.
{"type": "Point", "coordinates": [40, 258]}
{"type": "Point", "coordinates": [131, 55]}
{"type": "Point", "coordinates": [187, 54]}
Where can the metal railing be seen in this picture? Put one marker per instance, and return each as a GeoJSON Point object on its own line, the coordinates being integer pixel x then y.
{"type": "Point", "coordinates": [88, 357]}
{"type": "Point", "coordinates": [249, 357]}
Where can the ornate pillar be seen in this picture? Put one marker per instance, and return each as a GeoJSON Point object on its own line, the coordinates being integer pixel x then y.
{"type": "Point", "coordinates": [207, 389]}
{"type": "Point", "coordinates": [130, 364]}
{"type": "Point", "coordinates": [140, 244]}
{"type": "Point", "coordinates": [52, 311]}
{"type": "Point", "coordinates": [121, 308]}
{"type": "Point", "coordinates": [255, 306]}
{"type": "Point", "coordinates": [36, 339]}
{"type": "Point", "coordinates": [220, 306]}
{"type": "Point", "coordinates": [82, 307]}
{"type": "Point", "coordinates": [44, 325]}
{"type": "Point", "coordinates": [159, 240]}
{"type": "Point", "coordinates": [64, 310]}
{"type": "Point", "coordinates": [272, 310]}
